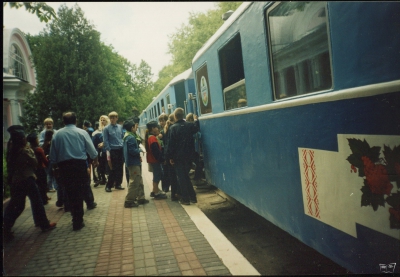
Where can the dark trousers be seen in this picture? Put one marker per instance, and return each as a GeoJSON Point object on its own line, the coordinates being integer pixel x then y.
{"type": "Point", "coordinates": [171, 180]}
{"type": "Point", "coordinates": [62, 197]}
{"type": "Point", "coordinates": [117, 171]}
{"type": "Point", "coordinates": [182, 171]}
{"type": "Point", "coordinates": [88, 196]}
{"type": "Point", "coordinates": [165, 181]}
{"type": "Point", "coordinates": [74, 178]}
{"type": "Point", "coordinates": [101, 169]}
{"type": "Point", "coordinates": [16, 206]}
{"type": "Point", "coordinates": [41, 183]}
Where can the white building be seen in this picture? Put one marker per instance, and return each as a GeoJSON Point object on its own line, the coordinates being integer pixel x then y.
{"type": "Point", "coordinates": [19, 77]}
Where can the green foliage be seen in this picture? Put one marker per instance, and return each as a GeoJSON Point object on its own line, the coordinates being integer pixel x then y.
{"type": "Point", "coordinates": [189, 38]}
{"type": "Point", "coordinates": [42, 10]}
{"type": "Point", "coordinates": [77, 72]}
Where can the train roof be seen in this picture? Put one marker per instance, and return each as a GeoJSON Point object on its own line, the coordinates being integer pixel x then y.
{"type": "Point", "coordinates": [222, 29]}
{"type": "Point", "coordinates": [188, 74]}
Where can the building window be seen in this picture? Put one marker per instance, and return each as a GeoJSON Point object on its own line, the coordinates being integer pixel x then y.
{"type": "Point", "coordinates": [17, 63]}
{"type": "Point", "coordinates": [232, 74]}
{"type": "Point", "coordinates": [299, 48]}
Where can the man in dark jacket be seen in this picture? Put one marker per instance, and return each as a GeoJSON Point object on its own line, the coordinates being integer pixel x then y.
{"type": "Point", "coordinates": [181, 152]}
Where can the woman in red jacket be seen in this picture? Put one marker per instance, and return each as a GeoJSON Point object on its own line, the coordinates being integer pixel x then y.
{"type": "Point", "coordinates": [154, 158]}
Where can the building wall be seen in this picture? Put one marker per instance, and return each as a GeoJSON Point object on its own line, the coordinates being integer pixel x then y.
{"type": "Point", "coordinates": [15, 89]}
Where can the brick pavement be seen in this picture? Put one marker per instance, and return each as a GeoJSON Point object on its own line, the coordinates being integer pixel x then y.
{"type": "Point", "coordinates": [158, 238]}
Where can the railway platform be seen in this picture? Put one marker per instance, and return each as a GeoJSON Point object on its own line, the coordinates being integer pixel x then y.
{"type": "Point", "coordinates": [158, 238]}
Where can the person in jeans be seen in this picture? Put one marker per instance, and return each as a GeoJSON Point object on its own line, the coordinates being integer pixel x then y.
{"type": "Point", "coordinates": [21, 167]}
{"type": "Point", "coordinates": [133, 163]}
{"type": "Point", "coordinates": [154, 158]}
{"type": "Point", "coordinates": [112, 137]}
{"type": "Point", "coordinates": [181, 153]}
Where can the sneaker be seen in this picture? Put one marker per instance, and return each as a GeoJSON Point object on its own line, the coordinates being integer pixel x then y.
{"type": "Point", "coordinates": [130, 205]}
{"type": "Point", "coordinates": [184, 202]}
{"type": "Point", "coordinates": [152, 194]}
{"type": "Point", "coordinates": [108, 189]}
{"type": "Point", "coordinates": [160, 195]}
{"type": "Point", "coordinates": [50, 227]}
{"type": "Point", "coordinates": [143, 201]}
{"type": "Point", "coordinates": [91, 207]}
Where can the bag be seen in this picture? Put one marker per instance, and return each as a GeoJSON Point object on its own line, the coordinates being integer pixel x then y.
{"type": "Point", "coordinates": [150, 166]}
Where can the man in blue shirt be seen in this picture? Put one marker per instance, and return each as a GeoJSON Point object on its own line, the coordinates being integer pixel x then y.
{"type": "Point", "coordinates": [112, 137]}
{"type": "Point", "coordinates": [68, 156]}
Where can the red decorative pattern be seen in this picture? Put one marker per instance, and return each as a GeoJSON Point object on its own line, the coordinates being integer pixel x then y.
{"type": "Point", "coordinates": [310, 177]}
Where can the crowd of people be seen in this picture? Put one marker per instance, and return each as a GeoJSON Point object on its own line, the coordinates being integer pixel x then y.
{"type": "Point", "coordinates": [67, 159]}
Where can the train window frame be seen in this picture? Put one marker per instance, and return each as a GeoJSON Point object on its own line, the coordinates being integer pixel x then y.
{"type": "Point", "coordinates": [232, 94]}
{"type": "Point", "coordinates": [302, 91]}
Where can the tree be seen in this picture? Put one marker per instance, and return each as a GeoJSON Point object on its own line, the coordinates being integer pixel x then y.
{"type": "Point", "coordinates": [77, 72]}
{"type": "Point", "coordinates": [189, 38]}
{"type": "Point", "coordinates": [42, 10]}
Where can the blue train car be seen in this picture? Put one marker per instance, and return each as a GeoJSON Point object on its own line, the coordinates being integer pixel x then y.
{"type": "Point", "coordinates": [180, 92]}
{"type": "Point", "coordinates": [299, 108]}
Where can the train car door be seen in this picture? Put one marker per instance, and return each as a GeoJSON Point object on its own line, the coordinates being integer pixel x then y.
{"type": "Point", "coordinates": [180, 95]}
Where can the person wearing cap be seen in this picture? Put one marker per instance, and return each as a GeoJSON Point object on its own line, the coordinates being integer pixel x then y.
{"type": "Point", "coordinates": [181, 153]}
{"type": "Point", "coordinates": [112, 136]}
{"type": "Point", "coordinates": [21, 167]}
{"type": "Point", "coordinates": [133, 162]}
{"type": "Point", "coordinates": [43, 162]}
{"type": "Point", "coordinates": [68, 156]}
{"type": "Point", "coordinates": [154, 158]}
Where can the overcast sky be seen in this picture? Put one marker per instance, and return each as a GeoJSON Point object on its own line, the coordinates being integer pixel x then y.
{"type": "Point", "coordinates": [137, 31]}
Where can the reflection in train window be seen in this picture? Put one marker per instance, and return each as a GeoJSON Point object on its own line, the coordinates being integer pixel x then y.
{"type": "Point", "coordinates": [232, 74]}
{"type": "Point", "coordinates": [299, 48]}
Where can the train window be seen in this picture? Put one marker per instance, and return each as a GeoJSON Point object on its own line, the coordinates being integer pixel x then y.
{"type": "Point", "coordinates": [158, 107]}
{"type": "Point", "coordinates": [232, 74]}
{"type": "Point", "coordinates": [162, 106]}
{"type": "Point", "coordinates": [168, 104]}
{"type": "Point", "coordinates": [299, 47]}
